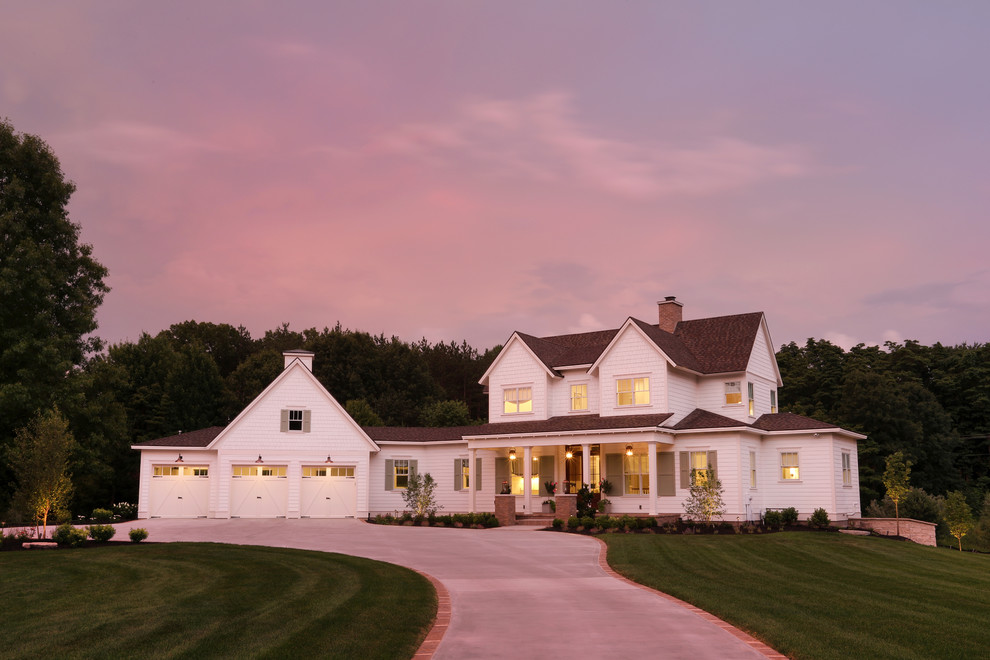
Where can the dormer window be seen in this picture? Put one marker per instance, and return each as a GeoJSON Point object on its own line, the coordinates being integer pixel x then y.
{"type": "Point", "coordinates": [733, 392]}
{"type": "Point", "coordinates": [579, 397]}
{"type": "Point", "coordinates": [773, 401]}
{"type": "Point", "coordinates": [752, 399]}
{"type": "Point", "coordinates": [518, 400]}
{"type": "Point", "coordinates": [632, 391]}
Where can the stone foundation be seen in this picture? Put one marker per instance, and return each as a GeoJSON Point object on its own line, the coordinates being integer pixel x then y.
{"type": "Point", "coordinates": [918, 531]}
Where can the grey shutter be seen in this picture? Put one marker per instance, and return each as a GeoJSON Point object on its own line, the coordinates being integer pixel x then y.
{"type": "Point", "coordinates": [306, 420]}
{"type": "Point", "coordinates": [412, 468]}
{"type": "Point", "coordinates": [458, 474]}
{"type": "Point", "coordinates": [665, 474]}
{"type": "Point", "coordinates": [477, 474]}
{"type": "Point", "coordinates": [389, 473]}
{"type": "Point", "coordinates": [501, 473]}
{"type": "Point", "coordinates": [284, 423]}
{"type": "Point", "coordinates": [685, 469]}
{"type": "Point", "coordinates": [546, 473]}
{"type": "Point", "coordinates": [613, 472]}
{"type": "Point", "coordinates": [713, 462]}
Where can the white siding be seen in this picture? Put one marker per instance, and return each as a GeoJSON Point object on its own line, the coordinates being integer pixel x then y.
{"type": "Point", "coordinates": [846, 497]}
{"type": "Point", "coordinates": [438, 461]}
{"type": "Point", "coordinates": [815, 487]}
{"type": "Point", "coordinates": [517, 367]}
{"type": "Point", "coordinates": [632, 355]}
{"type": "Point", "coordinates": [711, 397]}
{"type": "Point", "coordinates": [682, 395]}
{"type": "Point", "coordinates": [560, 393]}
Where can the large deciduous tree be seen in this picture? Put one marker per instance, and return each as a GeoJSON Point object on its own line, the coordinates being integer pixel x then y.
{"type": "Point", "coordinates": [50, 284]}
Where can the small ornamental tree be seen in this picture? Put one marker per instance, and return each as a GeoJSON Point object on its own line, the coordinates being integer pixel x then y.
{"type": "Point", "coordinates": [419, 495]}
{"type": "Point", "coordinates": [896, 481]}
{"type": "Point", "coordinates": [40, 461]}
{"type": "Point", "coordinates": [958, 515]}
{"type": "Point", "coordinates": [705, 503]}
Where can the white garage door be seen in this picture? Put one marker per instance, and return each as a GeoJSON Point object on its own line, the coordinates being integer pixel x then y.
{"type": "Point", "coordinates": [328, 492]}
{"type": "Point", "coordinates": [259, 491]}
{"type": "Point", "coordinates": [179, 491]}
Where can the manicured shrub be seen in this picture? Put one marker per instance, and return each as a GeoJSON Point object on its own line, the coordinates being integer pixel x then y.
{"type": "Point", "coordinates": [789, 516]}
{"type": "Point", "coordinates": [102, 515]}
{"type": "Point", "coordinates": [557, 524]}
{"type": "Point", "coordinates": [819, 519]}
{"type": "Point", "coordinates": [587, 522]}
{"type": "Point", "coordinates": [67, 535]}
{"type": "Point", "coordinates": [573, 522]}
{"type": "Point", "coordinates": [773, 519]}
{"type": "Point", "coordinates": [138, 534]}
{"type": "Point", "coordinates": [101, 532]}
{"type": "Point", "coordinates": [125, 511]}
{"type": "Point", "coordinates": [648, 522]}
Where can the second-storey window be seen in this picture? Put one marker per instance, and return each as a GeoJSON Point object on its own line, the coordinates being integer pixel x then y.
{"type": "Point", "coordinates": [632, 391]}
{"type": "Point", "coordinates": [579, 397]}
{"type": "Point", "coordinates": [733, 392]}
{"type": "Point", "coordinates": [773, 401]}
{"type": "Point", "coordinates": [752, 399]}
{"type": "Point", "coordinates": [847, 476]}
{"type": "Point", "coordinates": [295, 420]}
{"type": "Point", "coordinates": [518, 399]}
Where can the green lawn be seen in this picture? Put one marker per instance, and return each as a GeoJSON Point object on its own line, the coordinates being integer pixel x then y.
{"type": "Point", "coordinates": [209, 600]}
{"type": "Point", "coordinates": [823, 595]}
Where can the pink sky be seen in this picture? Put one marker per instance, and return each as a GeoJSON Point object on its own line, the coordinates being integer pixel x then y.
{"type": "Point", "coordinates": [462, 170]}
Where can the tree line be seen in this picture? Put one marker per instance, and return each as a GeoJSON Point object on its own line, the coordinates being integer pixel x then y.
{"type": "Point", "coordinates": [930, 402]}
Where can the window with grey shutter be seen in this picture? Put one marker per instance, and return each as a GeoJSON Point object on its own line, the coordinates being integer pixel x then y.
{"type": "Point", "coordinates": [284, 423]}
{"type": "Point", "coordinates": [666, 485]}
{"type": "Point", "coordinates": [546, 473]}
{"type": "Point", "coordinates": [713, 462]}
{"type": "Point", "coordinates": [389, 474]}
{"type": "Point", "coordinates": [501, 473]}
{"type": "Point", "coordinates": [477, 474]}
{"type": "Point", "coordinates": [458, 473]}
{"type": "Point", "coordinates": [685, 462]}
{"type": "Point", "coordinates": [613, 472]}
{"type": "Point", "coordinates": [306, 421]}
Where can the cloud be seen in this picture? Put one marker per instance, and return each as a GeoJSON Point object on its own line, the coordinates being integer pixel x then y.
{"type": "Point", "coordinates": [132, 143]}
{"type": "Point", "coordinates": [541, 138]}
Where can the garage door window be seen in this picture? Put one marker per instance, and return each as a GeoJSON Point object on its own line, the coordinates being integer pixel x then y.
{"type": "Point", "coordinates": [259, 471]}
{"type": "Point", "coordinates": [328, 472]}
{"type": "Point", "coordinates": [181, 471]}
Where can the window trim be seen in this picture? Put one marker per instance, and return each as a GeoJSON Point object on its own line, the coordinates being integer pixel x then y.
{"type": "Point", "coordinates": [587, 400]}
{"type": "Point", "coordinates": [632, 392]}
{"type": "Point", "coordinates": [396, 475]}
{"type": "Point", "coordinates": [737, 384]}
{"type": "Point", "coordinates": [751, 392]}
{"type": "Point", "coordinates": [796, 466]}
{"type": "Point", "coordinates": [773, 401]}
{"type": "Point", "coordinates": [516, 401]}
{"type": "Point", "coordinates": [846, 469]}
{"type": "Point", "coordinates": [753, 480]}
{"type": "Point", "coordinates": [643, 474]}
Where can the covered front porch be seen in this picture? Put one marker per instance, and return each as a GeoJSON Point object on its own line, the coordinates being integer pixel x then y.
{"type": "Point", "coordinates": [638, 464]}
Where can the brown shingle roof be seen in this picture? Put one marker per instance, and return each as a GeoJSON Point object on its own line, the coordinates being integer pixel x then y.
{"type": "Point", "coordinates": [562, 424]}
{"type": "Point", "coordinates": [703, 419]}
{"type": "Point", "coordinates": [200, 438]}
{"type": "Point", "coordinates": [710, 346]}
{"type": "Point", "coordinates": [789, 422]}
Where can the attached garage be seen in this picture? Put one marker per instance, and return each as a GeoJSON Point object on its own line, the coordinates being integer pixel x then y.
{"type": "Point", "coordinates": [328, 492]}
{"type": "Point", "coordinates": [259, 491]}
{"type": "Point", "coordinates": [179, 491]}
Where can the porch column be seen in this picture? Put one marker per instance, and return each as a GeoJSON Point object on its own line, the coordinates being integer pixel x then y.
{"type": "Point", "coordinates": [528, 479]}
{"type": "Point", "coordinates": [585, 464]}
{"type": "Point", "coordinates": [651, 449]}
{"type": "Point", "coordinates": [472, 475]}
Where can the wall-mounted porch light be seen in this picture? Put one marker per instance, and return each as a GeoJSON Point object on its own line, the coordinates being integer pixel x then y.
{"type": "Point", "coordinates": [568, 454]}
{"type": "Point", "coordinates": [512, 454]}
{"type": "Point", "coordinates": [628, 450]}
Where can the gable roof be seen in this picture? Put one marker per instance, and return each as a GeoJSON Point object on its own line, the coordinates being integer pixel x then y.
{"type": "Point", "coordinates": [786, 421]}
{"type": "Point", "coordinates": [721, 344]}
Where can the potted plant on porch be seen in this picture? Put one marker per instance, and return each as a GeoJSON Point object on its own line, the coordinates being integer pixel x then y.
{"type": "Point", "coordinates": [549, 504]}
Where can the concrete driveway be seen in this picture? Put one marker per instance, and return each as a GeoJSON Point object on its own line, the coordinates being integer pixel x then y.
{"type": "Point", "coordinates": [515, 592]}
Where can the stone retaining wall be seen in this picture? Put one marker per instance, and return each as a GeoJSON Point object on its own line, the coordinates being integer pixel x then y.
{"type": "Point", "coordinates": [918, 531]}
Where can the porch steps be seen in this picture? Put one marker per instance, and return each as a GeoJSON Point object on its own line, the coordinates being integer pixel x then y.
{"type": "Point", "coordinates": [534, 519]}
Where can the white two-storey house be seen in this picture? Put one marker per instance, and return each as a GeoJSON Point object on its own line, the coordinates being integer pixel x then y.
{"type": "Point", "coordinates": [647, 407]}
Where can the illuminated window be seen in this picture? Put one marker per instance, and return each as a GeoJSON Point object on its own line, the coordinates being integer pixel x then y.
{"type": "Point", "coordinates": [198, 471]}
{"type": "Point", "coordinates": [632, 391]}
{"type": "Point", "coordinates": [847, 477]}
{"type": "Point", "coordinates": [463, 475]}
{"type": "Point", "coordinates": [401, 473]}
{"type": "Point", "coordinates": [789, 465]}
{"type": "Point", "coordinates": [314, 472]}
{"type": "Point", "coordinates": [181, 470]}
{"type": "Point", "coordinates": [272, 471]}
{"type": "Point", "coordinates": [773, 401]}
{"type": "Point", "coordinates": [579, 397]}
{"type": "Point", "coordinates": [259, 471]}
{"type": "Point", "coordinates": [699, 467]}
{"type": "Point", "coordinates": [167, 470]}
{"type": "Point", "coordinates": [636, 471]}
{"type": "Point", "coordinates": [518, 479]}
{"type": "Point", "coordinates": [752, 399]}
{"type": "Point", "coordinates": [752, 469]}
{"type": "Point", "coordinates": [342, 472]}
{"type": "Point", "coordinates": [733, 392]}
{"type": "Point", "coordinates": [518, 399]}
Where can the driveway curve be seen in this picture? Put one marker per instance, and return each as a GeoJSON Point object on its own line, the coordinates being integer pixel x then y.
{"type": "Point", "coordinates": [515, 592]}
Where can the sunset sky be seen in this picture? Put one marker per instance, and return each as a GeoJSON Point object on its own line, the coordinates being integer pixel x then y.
{"type": "Point", "coordinates": [460, 170]}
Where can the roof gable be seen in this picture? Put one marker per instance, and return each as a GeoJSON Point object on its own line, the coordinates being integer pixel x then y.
{"type": "Point", "coordinates": [721, 344]}
{"type": "Point", "coordinates": [533, 345]}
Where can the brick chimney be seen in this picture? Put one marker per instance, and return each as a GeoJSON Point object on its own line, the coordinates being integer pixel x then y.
{"type": "Point", "coordinates": [671, 313]}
